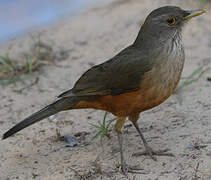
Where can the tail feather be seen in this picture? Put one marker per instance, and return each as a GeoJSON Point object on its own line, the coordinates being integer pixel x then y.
{"type": "Point", "coordinates": [49, 110]}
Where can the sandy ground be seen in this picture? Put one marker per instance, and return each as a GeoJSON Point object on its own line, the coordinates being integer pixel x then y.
{"type": "Point", "coordinates": [91, 38]}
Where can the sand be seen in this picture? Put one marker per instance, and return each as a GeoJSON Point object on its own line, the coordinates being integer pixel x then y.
{"type": "Point", "coordinates": [89, 38]}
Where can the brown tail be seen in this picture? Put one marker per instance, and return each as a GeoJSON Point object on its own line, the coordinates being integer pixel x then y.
{"type": "Point", "coordinates": [59, 105]}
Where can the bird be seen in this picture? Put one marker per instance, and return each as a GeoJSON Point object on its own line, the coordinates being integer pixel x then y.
{"type": "Point", "coordinates": [138, 78]}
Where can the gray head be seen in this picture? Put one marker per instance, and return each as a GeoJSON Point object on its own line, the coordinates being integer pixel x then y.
{"type": "Point", "coordinates": [165, 23]}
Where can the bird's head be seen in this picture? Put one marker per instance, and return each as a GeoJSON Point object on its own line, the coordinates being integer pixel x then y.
{"type": "Point", "coordinates": [166, 22]}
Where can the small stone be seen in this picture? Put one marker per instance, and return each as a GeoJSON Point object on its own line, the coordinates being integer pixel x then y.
{"type": "Point", "coordinates": [53, 117]}
{"type": "Point", "coordinates": [209, 153]}
{"type": "Point", "coordinates": [71, 142]}
{"type": "Point", "coordinates": [208, 78]}
{"type": "Point", "coordinates": [190, 146]}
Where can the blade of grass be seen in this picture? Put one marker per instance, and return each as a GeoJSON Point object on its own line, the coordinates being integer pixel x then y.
{"type": "Point", "coordinates": [103, 128]}
{"type": "Point", "coordinates": [104, 119]}
{"type": "Point", "coordinates": [180, 98]}
{"type": "Point", "coordinates": [108, 125]}
{"type": "Point", "coordinates": [6, 65]}
{"type": "Point", "coordinates": [12, 63]}
{"type": "Point", "coordinates": [198, 70]}
{"type": "Point", "coordinates": [189, 80]}
{"type": "Point", "coordinates": [95, 136]}
{"type": "Point", "coordinates": [30, 66]}
{"type": "Point", "coordinates": [96, 126]}
{"type": "Point", "coordinates": [4, 82]}
{"type": "Point", "coordinates": [40, 54]}
{"type": "Point", "coordinates": [186, 83]}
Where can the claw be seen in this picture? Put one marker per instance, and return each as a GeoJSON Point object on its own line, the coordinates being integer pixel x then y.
{"type": "Point", "coordinates": [149, 151]}
{"type": "Point", "coordinates": [125, 169]}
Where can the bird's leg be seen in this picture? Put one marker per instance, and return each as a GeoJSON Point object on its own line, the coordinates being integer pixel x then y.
{"type": "Point", "coordinates": [118, 127]}
{"type": "Point", "coordinates": [124, 167]}
{"type": "Point", "coordinates": [148, 150]}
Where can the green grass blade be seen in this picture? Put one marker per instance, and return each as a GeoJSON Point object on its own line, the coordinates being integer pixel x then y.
{"type": "Point", "coordinates": [180, 98]}
{"type": "Point", "coordinates": [202, 73]}
{"type": "Point", "coordinates": [6, 65]}
{"type": "Point", "coordinates": [96, 126]}
{"type": "Point", "coordinates": [198, 70]}
{"type": "Point", "coordinates": [190, 79]}
{"type": "Point", "coordinates": [109, 123]}
{"type": "Point", "coordinates": [30, 66]}
{"type": "Point", "coordinates": [4, 82]}
{"type": "Point", "coordinates": [104, 119]}
{"type": "Point", "coordinates": [96, 136]}
{"type": "Point", "coordinates": [11, 62]}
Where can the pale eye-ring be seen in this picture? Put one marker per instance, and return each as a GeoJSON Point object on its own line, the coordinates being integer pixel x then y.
{"type": "Point", "coordinates": [171, 20]}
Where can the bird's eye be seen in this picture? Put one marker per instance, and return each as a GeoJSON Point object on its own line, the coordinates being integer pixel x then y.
{"type": "Point", "coordinates": [171, 20]}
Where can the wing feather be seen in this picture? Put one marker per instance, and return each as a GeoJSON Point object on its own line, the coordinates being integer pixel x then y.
{"type": "Point", "coordinates": [123, 73]}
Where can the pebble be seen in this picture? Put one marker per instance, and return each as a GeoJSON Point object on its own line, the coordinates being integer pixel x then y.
{"type": "Point", "coordinates": [71, 142]}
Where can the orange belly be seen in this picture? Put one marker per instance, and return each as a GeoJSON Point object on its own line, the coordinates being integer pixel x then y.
{"type": "Point", "coordinates": [126, 104]}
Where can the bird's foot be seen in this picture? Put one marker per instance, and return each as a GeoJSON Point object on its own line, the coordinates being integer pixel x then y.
{"type": "Point", "coordinates": [125, 169]}
{"type": "Point", "coordinates": [149, 151]}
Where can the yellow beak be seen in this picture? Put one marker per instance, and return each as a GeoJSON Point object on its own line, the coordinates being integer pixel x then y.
{"type": "Point", "coordinates": [194, 13]}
